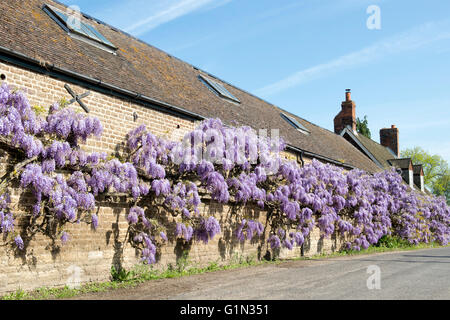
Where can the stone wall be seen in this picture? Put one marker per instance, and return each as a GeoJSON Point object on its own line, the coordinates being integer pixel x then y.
{"type": "Point", "coordinates": [116, 115]}
{"type": "Point", "coordinates": [89, 254]}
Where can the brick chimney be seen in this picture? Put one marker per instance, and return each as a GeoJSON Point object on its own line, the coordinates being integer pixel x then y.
{"type": "Point", "coordinates": [347, 116]}
{"type": "Point", "coordinates": [389, 138]}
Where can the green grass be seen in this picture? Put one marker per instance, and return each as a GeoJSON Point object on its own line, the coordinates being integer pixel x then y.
{"type": "Point", "coordinates": [184, 267]}
{"type": "Point", "coordinates": [385, 244]}
{"type": "Point", "coordinates": [128, 279]}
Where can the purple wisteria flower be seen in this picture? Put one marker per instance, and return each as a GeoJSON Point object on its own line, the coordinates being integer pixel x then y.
{"type": "Point", "coordinates": [94, 219]}
{"type": "Point", "coordinates": [19, 242]}
{"type": "Point", "coordinates": [64, 237]}
{"type": "Point", "coordinates": [232, 165]}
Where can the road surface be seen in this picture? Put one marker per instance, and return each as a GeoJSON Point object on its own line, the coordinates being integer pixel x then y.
{"type": "Point", "coordinates": [417, 274]}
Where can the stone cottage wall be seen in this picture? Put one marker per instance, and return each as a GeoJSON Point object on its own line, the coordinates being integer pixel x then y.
{"type": "Point", "coordinates": [116, 115]}
{"type": "Point", "coordinates": [89, 254]}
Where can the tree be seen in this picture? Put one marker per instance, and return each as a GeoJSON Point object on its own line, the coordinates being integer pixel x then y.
{"type": "Point", "coordinates": [362, 126]}
{"type": "Point", "coordinates": [435, 169]}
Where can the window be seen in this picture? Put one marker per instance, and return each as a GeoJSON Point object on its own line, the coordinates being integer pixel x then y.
{"type": "Point", "coordinates": [293, 122]}
{"type": "Point", "coordinates": [79, 29]}
{"type": "Point", "coordinates": [218, 88]}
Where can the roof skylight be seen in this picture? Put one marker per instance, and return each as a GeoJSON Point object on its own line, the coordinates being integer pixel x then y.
{"type": "Point", "coordinates": [219, 89]}
{"type": "Point", "coordinates": [75, 27]}
{"type": "Point", "coordinates": [293, 122]}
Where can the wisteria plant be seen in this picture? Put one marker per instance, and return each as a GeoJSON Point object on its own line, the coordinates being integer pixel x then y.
{"type": "Point", "coordinates": [230, 165]}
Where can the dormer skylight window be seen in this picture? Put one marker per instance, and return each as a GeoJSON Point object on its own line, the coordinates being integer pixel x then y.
{"type": "Point", "coordinates": [218, 89]}
{"type": "Point", "coordinates": [297, 125]}
{"type": "Point", "coordinates": [78, 29]}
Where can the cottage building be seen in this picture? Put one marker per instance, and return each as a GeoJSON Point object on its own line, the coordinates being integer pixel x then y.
{"type": "Point", "coordinates": [131, 83]}
{"type": "Point", "coordinates": [385, 154]}
{"type": "Point", "coordinates": [125, 83]}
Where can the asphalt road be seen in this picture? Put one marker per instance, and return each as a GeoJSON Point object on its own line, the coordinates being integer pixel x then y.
{"type": "Point", "coordinates": [418, 274]}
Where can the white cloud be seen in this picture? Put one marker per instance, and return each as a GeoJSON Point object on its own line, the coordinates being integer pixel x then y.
{"type": "Point", "coordinates": [171, 12]}
{"type": "Point", "coordinates": [215, 4]}
{"type": "Point", "coordinates": [410, 40]}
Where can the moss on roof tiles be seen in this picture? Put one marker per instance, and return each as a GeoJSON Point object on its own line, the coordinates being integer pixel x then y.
{"type": "Point", "coordinates": [381, 153]}
{"type": "Point", "coordinates": [142, 68]}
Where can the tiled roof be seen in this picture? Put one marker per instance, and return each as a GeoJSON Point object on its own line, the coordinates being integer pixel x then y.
{"type": "Point", "coordinates": [381, 153]}
{"type": "Point", "coordinates": [403, 163]}
{"type": "Point", "coordinates": [138, 67]}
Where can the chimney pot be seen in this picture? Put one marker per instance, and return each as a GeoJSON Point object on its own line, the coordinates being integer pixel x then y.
{"type": "Point", "coordinates": [348, 95]}
{"type": "Point", "coordinates": [393, 126]}
{"type": "Point", "coordinates": [347, 116]}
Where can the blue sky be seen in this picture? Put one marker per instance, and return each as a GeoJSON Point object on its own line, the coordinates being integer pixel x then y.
{"type": "Point", "coordinates": [302, 54]}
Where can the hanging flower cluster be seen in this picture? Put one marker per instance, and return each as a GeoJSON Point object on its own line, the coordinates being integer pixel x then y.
{"type": "Point", "coordinates": [230, 165]}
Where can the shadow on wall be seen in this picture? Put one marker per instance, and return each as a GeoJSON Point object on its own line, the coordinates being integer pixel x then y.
{"type": "Point", "coordinates": [228, 242]}
{"type": "Point", "coordinates": [118, 245]}
{"type": "Point", "coordinates": [32, 229]}
{"type": "Point", "coordinates": [320, 245]}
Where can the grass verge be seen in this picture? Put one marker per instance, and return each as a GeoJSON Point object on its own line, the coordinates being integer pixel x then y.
{"type": "Point", "coordinates": [128, 279]}
{"type": "Point", "coordinates": [380, 248]}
